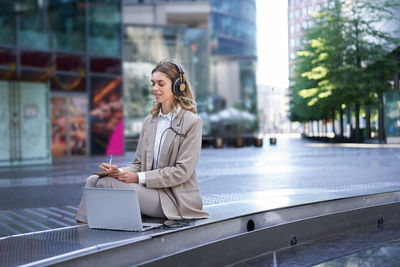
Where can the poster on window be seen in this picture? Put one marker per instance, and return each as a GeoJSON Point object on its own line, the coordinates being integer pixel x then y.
{"type": "Point", "coordinates": [106, 118]}
{"type": "Point", "coordinates": [77, 125]}
{"type": "Point", "coordinates": [59, 116]}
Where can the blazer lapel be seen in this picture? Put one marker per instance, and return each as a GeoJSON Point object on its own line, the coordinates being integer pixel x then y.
{"type": "Point", "coordinates": [170, 136]}
{"type": "Point", "coordinates": [150, 142]}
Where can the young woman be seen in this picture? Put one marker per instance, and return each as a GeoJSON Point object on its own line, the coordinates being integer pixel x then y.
{"type": "Point", "coordinates": [163, 172]}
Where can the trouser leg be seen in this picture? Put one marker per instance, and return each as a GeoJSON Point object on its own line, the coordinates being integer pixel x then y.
{"type": "Point", "coordinates": [149, 199]}
{"type": "Point", "coordinates": [91, 181]}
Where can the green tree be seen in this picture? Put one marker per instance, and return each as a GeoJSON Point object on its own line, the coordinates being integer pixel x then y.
{"type": "Point", "coordinates": [317, 67]}
{"type": "Point", "coordinates": [349, 60]}
{"type": "Point", "coordinates": [369, 53]}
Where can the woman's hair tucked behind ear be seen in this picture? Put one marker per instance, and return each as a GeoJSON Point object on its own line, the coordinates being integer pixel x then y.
{"type": "Point", "coordinates": [186, 99]}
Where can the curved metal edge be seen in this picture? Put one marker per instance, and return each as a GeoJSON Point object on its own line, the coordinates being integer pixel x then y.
{"type": "Point", "coordinates": [83, 252]}
{"type": "Point", "coordinates": [40, 232]}
{"type": "Point", "coordinates": [234, 249]}
{"type": "Point", "coordinates": [172, 242]}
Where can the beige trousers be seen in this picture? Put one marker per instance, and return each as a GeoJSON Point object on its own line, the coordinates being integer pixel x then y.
{"type": "Point", "coordinates": [149, 199]}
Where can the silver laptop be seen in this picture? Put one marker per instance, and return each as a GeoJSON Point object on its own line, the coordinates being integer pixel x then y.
{"type": "Point", "coordinates": [115, 209]}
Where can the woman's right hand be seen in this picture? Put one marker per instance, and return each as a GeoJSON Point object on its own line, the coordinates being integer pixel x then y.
{"type": "Point", "coordinates": [106, 167]}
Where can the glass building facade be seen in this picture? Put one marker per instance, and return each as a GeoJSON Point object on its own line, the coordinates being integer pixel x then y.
{"type": "Point", "coordinates": [73, 48]}
{"type": "Point", "coordinates": [233, 31]}
{"type": "Point", "coordinates": [392, 114]}
{"type": "Point", "coordinates": [144, 47]}
{"type": "Point", "coordinates": [392, 98]}
{"type": "Point", "coordinates": [219, 55]}
{"type": "Point", "coordinates": [233, 25]}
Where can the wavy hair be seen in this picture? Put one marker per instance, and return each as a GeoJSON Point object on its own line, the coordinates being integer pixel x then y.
{"type": "Point", "coordinates": [186, 99]}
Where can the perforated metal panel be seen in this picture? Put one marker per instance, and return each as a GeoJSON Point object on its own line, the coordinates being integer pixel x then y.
{"type": "Point", "coordinates": [226, 220]}
{"type": "Point", "coordinates": [20, 250]}
{"type": "Point", "coordinates": [16, 250]}
{"type": "Point", "coordinates": [46, 244]}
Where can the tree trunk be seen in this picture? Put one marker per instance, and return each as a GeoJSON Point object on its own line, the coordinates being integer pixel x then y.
{"type": "Point", "coordinates": [333, 123]}
{"type": "Point", "coordinates": [381, 118]}
{"type": "Point", "coordinates": [368, 122]}
{"type": "Point", "coordinates": [357, 133]}
{"type": "Point", "coordinates": [341, 122]}
{"type": "Point", "coordinates": [350, 121]}
{"type": "Point", "coordinates": [357, 105]}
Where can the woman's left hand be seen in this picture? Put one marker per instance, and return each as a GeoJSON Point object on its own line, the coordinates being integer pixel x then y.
{"type": "Point", "coordinates": [127, 177]}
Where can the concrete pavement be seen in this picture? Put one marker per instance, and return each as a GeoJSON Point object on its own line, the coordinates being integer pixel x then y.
{"type": "Point", "coordinates": [46, 197]}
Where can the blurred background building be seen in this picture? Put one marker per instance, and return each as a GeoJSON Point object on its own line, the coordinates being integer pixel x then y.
{"type": "Point", "coordinates": [392, 99]}
{"type": "Point", "coordinates": [273, 109]}
{"type": "Point", "coordinates": [75, 75]}
{"type": "Point", "coordinates": [60, 79]}
{"type": "Point", "coordinates": [299, 18]}
{"type": "Point", "coordinates": [216, 43]}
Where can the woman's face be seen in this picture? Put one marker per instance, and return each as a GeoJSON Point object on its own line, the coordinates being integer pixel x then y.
{"type": "Point", "coordinates": [162, 88]}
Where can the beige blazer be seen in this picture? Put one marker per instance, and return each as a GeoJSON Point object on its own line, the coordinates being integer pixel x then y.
{"type": "Point", "coordinates": [175, 179]}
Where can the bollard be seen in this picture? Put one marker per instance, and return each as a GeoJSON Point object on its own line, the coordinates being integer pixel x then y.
{"type": "Point", "coordinates": [258, 142]}
{"type": "Point", "coordinates": [239, 142]}
{"type": "Point", "coordinates": [218, 142]}
{"type": "Point", "coordinates": [272, 140]}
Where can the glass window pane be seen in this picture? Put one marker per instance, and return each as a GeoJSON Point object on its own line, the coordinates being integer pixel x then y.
{"type": "Point", "coordinates": [35, 59]}
{"type": "Point", "coordinates": [234, 24]}
{"type": "Point", "coordinates": [68, 62]}
{"type": "Point", "coordinates": [59, 112]}
{"type": "Point", "coordinates": [66, 82]}
{"type": "Point", "coordinates": [7, 24]}
{"type": "Point", "coordinates": [77, 125]}
{"type": "Point", "coordinates": [33, 34]}
{"type": "Point", "coordinates": [7, 57]}
{"type": "Point", "coordinates": [144, 47]}
{"type": "Point", "coordinates": [7, 74]}
{"type": "Point", "coordinates": [105, 27]}
{"type": "Point", "coordinates": [105, 65]}
{"type": "Point", "coordinates": [8, 64]}
{"type": "Point", "coordinates": [28, 74]}
{"type": "Point", "coordinates": [67, 24]}
{"type": "Point", "coordinates": [392, 111]}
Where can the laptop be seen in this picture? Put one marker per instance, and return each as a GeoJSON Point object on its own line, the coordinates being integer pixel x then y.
{"type": "Point", "coordinates": [114, 209]}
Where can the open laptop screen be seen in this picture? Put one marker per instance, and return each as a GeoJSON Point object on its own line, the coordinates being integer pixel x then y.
{"type": "Point", "coordinates": [116, 209]}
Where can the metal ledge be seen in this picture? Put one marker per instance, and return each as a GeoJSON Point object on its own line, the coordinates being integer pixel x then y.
{"type": "Point", "coordinates": [227, 228]}
{"type": "Point", "coordinates": [243, 246]}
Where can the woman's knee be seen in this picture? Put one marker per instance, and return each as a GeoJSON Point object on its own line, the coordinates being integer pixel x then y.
{"type": "Point", "coordinates": [105, 182]}
{"type": "Point", "coordinates": [91, 181]}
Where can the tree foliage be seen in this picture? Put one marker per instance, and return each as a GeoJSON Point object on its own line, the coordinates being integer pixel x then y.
{"type": "Point", "coordinates": [345, 60]}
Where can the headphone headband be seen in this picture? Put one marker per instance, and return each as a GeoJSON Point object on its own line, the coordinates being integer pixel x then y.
{"type": "Point", "coordinates": [178, 84]}
{"type": "Point", "coordinates": [179, 69]}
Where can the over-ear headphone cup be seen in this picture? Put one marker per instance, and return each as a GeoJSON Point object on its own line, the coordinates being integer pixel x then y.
{"type": "Point", "coordinates": [178, 86]}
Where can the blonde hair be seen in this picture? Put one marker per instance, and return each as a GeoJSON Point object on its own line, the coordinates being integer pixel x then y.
{"type": "Point", "coordinates": [186, 100]}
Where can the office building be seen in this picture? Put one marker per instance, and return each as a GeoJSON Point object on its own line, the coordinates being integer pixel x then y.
{"type": "Point", "coordinates": [60, 79]}
{"type": "Point", "coordinates": [392, 99]}
{"type": "Point", "coordinates": [299, 18]}
{"type": "Point", "coordinates": [62, 83]}
{"type": "Point", "coordinates": [214, 41]}
{"type": "Point", "coordinates": [273, 111]}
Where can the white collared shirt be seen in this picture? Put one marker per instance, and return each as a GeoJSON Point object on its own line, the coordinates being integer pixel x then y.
{"type": "Point", "coordinates": [164, 122]}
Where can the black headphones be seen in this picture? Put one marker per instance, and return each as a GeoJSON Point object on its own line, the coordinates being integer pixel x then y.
{"type": "Point", "coordinates": [178, 84]}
